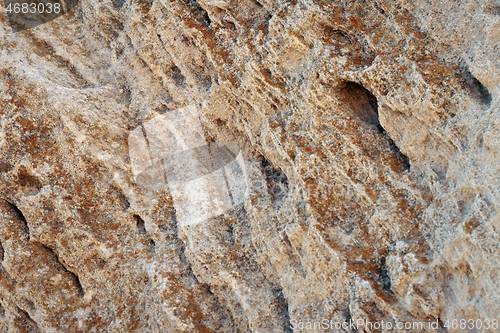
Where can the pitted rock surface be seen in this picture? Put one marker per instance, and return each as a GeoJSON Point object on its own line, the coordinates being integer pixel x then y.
{"type": "Point", "coordinates": [370, 132]}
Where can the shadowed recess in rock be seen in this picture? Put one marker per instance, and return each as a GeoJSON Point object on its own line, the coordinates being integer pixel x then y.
{"type": "Point", "coordinates": [121, 197]}
{"type": "Point", "coordinates": [363, 105]}
{"type": "Point", "coordinates": [141, 228]}
{"type": "Point", "coordinates": [24, 322]}
{"type": "Point", "coordinates": [283, 306]}
{"type": "Point", "coordinates": [200, 14]}
{"type": "Point", "coordinates": [476, 89]}
{"type": "Point", "coordinates": [19, 215]}
{"type": "Point", "coordinates": [61, 267]}
{"type": "Point", "coordinates": [29, 184]}
{"type": "Point", "coordinates": [140, 225]}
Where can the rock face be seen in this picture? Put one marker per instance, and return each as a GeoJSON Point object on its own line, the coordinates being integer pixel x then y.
{"type": "Point", "coordinates": [370, 134]}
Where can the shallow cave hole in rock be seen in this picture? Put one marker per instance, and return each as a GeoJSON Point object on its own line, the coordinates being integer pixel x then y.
{"type": "Point", "coordinates": [476, 89]}
{"type": "Point", "coordinates": [363, 105]}
{"type": "Point", "coordinates": [141, 226]}
{"type": "Point", "coordinates": [29, 184]}
{"type": "Point", "coordinates": [122, 198]}
{"type": "Point", "coordinates": [24, 321]}
{"type": "Point", "coordinates": [19, 215]}
{"type": "Point", "coordinates": [176, 74]}
{"type": "Point", "coordinates": [199, 13]}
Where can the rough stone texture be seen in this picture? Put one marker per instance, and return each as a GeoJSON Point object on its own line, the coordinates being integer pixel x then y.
{"type": "Point", "coordinates": [371, 134]}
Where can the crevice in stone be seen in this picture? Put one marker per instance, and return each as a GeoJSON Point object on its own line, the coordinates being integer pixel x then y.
{"type": "Point", "coordinates": [168, 224]}
{"type": "Point", "coordinates": [29, 184]}
{"type": "Point", "coordinates": [404, 161]}
{"type": "Point", "coordinates": [363, 105]}
{"type": "Point", "coordinates": [283, 308]}
{"type": "Point", "coordinates": [348, 318]}
{"type": "Point", "coordinates": [294, 257]}
{"type": "Point", "coordinates": [476, 89]}
{"type": "Point", "coordinates": [176, 74]}
{"type": "Point", "coordinates": [62, 268]}
{"type": "Point", "coordinates": [337, 34]}
{"type": "Point", "coordinates": [2, 311]}
{"type": "Point", "coordinates": [383, 277]}
{"type": "Point", "coordinates": [182, 256]}
{"type": "Point", "coordinates": [141, 226]}
{"type": "Point", "coordinates": [123, 199]}
{"type": "Point", "coordinates": [78, 284]}
{"type": "Point", "coordinates": [28, 304]}
{"type": "Point", "coordinates": [45, 50]}
{"type": "Point", "coordinates": [200, 13]}
{"type": "Point", "coordinates": [1, 253]}
{"type": "Point", "coordinates": [25, 322]}
{"type": "Point", "coordinates": [152, 245]}
{"type": "Point", "coordinates": [19, 215]}
{"type": "Point", "coordinates": [230, 237]}
{"type": "Point", "coordinates": [442, 325]}
{"type": "Point", "coordinates": [258, 3]}
{"type": "Point", "coordinates": [125, 96]}
{"type": "Point", "coordinates": [377, 7]}
{"type": "Point", "coordinates": [362, 102]}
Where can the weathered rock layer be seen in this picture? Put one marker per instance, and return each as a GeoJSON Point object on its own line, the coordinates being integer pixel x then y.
{"type": "Point", "coordinates": [370, 132]}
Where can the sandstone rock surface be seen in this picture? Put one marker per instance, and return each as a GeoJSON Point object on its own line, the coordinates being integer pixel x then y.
{"type": "Point", "coordinates": [370, 132]}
